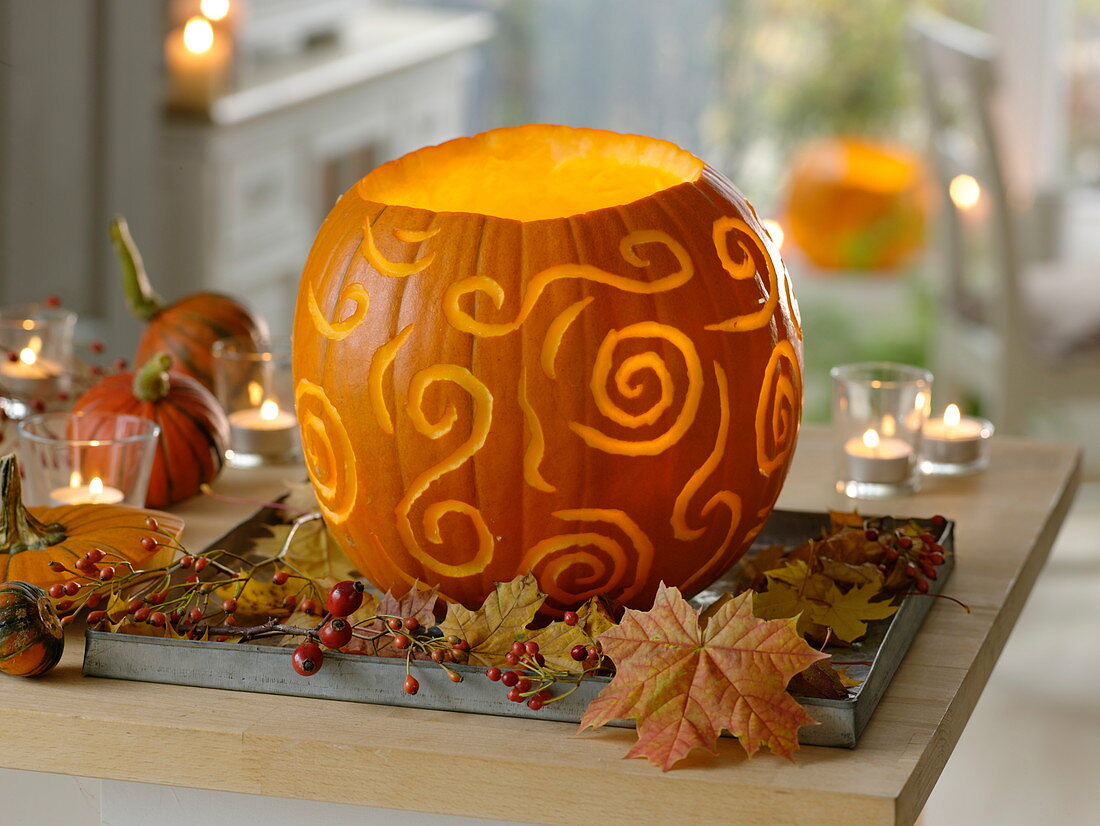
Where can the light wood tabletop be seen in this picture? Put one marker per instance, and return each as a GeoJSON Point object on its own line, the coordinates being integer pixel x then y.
{"type": "Point", "coordinates": [539, 771]}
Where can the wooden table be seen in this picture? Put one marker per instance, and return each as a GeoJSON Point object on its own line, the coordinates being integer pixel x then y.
{"type": "Point", "coordinates": [537, 771]}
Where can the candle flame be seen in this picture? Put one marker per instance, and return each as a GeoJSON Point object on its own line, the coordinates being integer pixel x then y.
{"type": "Point", "coordinates": [965, 191]}
{"type": "Point", "coordinates": [919, 401]}
{"type": "Point", "coordinates": [870, 437]}
{"type": "Point", "coordinates": [28, 356]}
{"type": "Point", "coordinates": [198, 35]}
{"type": "Point", "coordinates": [269, 410]}
{"type": "Point", "coordinates": [889, 425]}
{"type": "Point", "coordinates": [75, 479]}
{"type": "Point", "coordinates": [255, 393]}
{"type": "Point", "coordinates": [951, 416]}
{"type": "Point", "coordinates": [775, 230]}
{"type": "Point", "coordinates": [28, 324]}
{"type": "Point", "coordinates": [214, 9]}
{"type": "Point", "coordinates": [95, 487]}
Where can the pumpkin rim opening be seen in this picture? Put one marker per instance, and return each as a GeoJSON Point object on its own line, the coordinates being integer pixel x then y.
{"type": "Point", "coordinates": [531, 173]}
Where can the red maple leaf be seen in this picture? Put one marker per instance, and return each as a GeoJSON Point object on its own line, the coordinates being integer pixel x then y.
{"type": "Point", "coordinates": [684, 682]}
{"type": "Point", "coordinates": [419, 602]}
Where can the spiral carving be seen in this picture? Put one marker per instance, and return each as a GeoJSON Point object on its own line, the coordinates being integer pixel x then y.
{"type": "Point", "coordinates": [460, 319]}
{"type": "Point", "coordinates": [329, 457]}
{"type": "Point", "coordinates": [339, 330]}
{"type": "Point", "coordinates": [779, 409]}
{"type": "Point", "coordinates": [613, 568]}
{"type": "Point", "coordinates": [397, 269]}
{"type": "Point", "coordinates": [744, 269]}
{"type": "Point", "coordinates": [630, 382]}
{"type": "Point", "coordinates": [433, 515]}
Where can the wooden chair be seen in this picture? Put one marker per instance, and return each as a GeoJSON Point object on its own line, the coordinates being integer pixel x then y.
{"type": "Point", "coordinates": [1016, 334]}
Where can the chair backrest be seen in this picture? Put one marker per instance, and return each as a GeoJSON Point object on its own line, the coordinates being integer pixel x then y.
{"type": "Point", "coordinates": [956, 66]}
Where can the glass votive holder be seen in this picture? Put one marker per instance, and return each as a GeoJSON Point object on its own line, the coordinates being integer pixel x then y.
{"type": "Point", "coordinates": [36, 352]}
{"type": "Point", "coordinates": [87, 458]}
{"type": "Point", "coordinates": [255, 389]}
{"type": "Point", "coordinates": [879, 410]}
{"type": "Point", "coordinates": [954, 444]}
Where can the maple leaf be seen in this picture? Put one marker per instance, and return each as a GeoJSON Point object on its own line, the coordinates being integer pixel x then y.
{"type": "Point", "coordinates": [557, 639]}
{"type": "Point", "coordinates": [820, 680]}
{"type": "Point", "coordinates": [501, 620]}
{"type": "Point", "coordinates": [313, 552]}
{"type": "Point", "coordinates": [814, 598]}
{"type": "Point", "coordinates": [684, 682]}
{"type": "Point", "coordinates": [419, 602]}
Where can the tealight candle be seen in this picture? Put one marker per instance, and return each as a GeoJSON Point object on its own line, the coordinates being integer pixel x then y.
{"type": "Point", "coordinates": [266, 430]}
{"type": "Point", "coordinates": [93, 493]}
{"type": "Point", "coordinates": [876, 459]}
{"type": "Point", "coordinates": [954, 444]}
{"type": "Point", "coordinates": [31, 375]}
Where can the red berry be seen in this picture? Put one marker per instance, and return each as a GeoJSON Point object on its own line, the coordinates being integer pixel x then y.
{"type": "Point", "coordinates": [400, 642]}
{"type": "Point", "coordinates": [523, 684]}
{"type": "Point", "coordinates": [438, 656]}
{"type": "Point", "coordinates": [155, 598]}
{"type": "Point", "coordinates": [107, 574]}
{"type": "Point", "coordinates": [345, 598]}
{"type": "Point", "coordinates": [936, 559]}
{"type": "Point", "coordinates": [922, 585]}
{"type": "Point", "coordinates": [158, 618]}
{"type": "Point", "coordinates": [938, 521]}
{"type": "Point", "coordinates": [512, 658]}
{"type": "Point", "coordinates": [411, 623]}
{"type": "Point", "coordinates": [532, 648]}
{"type": "Point", "coordinates": [462, 645]}
{"type": "Point", "coordinates": [289, 601]}
{"type": "Point", "coordinates": [194, 615]}
{"type": "Point", "coordinates": [336, 634]}
{"type": "Point", "coordinates": [454, 676]}
{"type": "Point", "coordinates": [149, 543]}
{"type": "Point", "coordinates": [935, 549]}
{"type": "Point", "coordinates": [579, 653]}
{"type": "Point", "coordinates": [927, 538]}
{"type": "Point", "coordinates": [307, 658]}
{"type": "Point", "coordinates": [84, 564]}
{"type": "Point", "coordinates": [230, 620]}
{"type": "Point", "coordinates": [64, 605]}
{"type": "Point", "coordinates": [201, 562]}
{"type": "Point", "coordinates": [134, 605]}
{"type": "Point", "coordinates": [151, 523]}
{"type": "Point", "coordinates": [57, 590]}
{"type": "Point", "coordinates": [280, 577]}
{"type": "Point", "coordinates": [929, 570]}
{"type": "Point", "coordinates": [518, 648]}
{"type": "Point", "coordinates": [515, 696]}
{"type": "Point", "coordinates": [221, 638]}
{"type": "Point", "coordinates": [72, 588]}
{"type": "Point", "coordinates": [593, 652]}
{"type": "Point", "coordinates": [544, 695]}
{"type": "Point", "coordinates": [96, 554]}
{"type": "Point", "coordinates": [534, 704]}
{"type": "Point", "coordinates": [57, 567]}
{"type": "Point", "coordinates": [96, 616]}
{"type": "Point", "coordinates": [509, 678]}
{"type": "Point", "coordinates": [911, 570]}
{"type": "Point", "coordinates": [13, 356]}
{"type": "Point", "coordinates": [94, 601]}
{"type": "Point", "coordinates": [570, 618]}
{"type": "Point", "coordinates": [540, 660]}
{"type": "Point", "coordinates": [311, 607]}
{"type": "Point", "coordinates": [394, 624]}
{"type": "Point", "coordinates": [493, 674]}
{"type": "Point", "coordinates": [53, 301]}
{"type": "Point", "coordinates": [96, 346]}
{"type": "Point", "coordinates": [905, 543]}
{"type": "Point", "coordinates": [891, 554]}
{"type": "Point", "coordinates": [187, 561]}
{"type": "Point", "coordinates": [230, 605]}
{"type": "Point", "coordinates": [174, 617]}
{"type": "Point", "coordinates": [192, 580]}
{"type": "Point", "coordinates": [412, 685]}
{"type": "Point", "coordinates": [120, 365]}
{"type": "Point", "coordinates": [871, 535]}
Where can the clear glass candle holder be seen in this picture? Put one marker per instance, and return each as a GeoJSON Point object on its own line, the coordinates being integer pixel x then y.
{"type": "Point", "coordinates": [36, 355]}
{"type": "Point", "coordinates": [256, 390]}
{"type": "Point", "coordinates": [87, 458]}
{"type": "Point", "coordinates": [879, 410]}
{"type": "Point", "coordinates": [954, 444]}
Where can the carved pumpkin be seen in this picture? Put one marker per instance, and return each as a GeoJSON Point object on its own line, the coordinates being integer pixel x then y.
{"type": "Point", "coordinates": [188, 328]}
{"type": "Point", "coordinates": [194, 431]}
{"type": "Point", "coordinates": [856, 205]}
{"type": "Point", "coordinates": [32, 538]}
{"type": "Point", "coordinates": [31, 637]}
{"type": "Point", "coordinates": [550, 349]}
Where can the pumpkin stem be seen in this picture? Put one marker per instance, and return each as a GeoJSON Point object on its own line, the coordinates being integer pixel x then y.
{"type": "Point", "coordinates": [143, 300]}
{"type": "Point", "coordinates": [19, 530]}
{"type": "Point", "coordinates": [151, 381]}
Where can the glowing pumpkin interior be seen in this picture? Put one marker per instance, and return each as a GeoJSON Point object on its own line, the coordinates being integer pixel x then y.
{"type": "Point", "coordinates": [532, 173]}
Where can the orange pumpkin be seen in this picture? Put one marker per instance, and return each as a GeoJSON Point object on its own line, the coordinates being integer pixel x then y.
{"type": "Point", "coordinates": [194, 431]}
{"type": "Point", "coordinates": [188, 328]}
{"type": "Point", "coordinates": [31, 638]}
{"type": "Point", "coordinates": [546, 349]}
{"type": "Point", "coordinates": [32, 538]}
{"type": "Point", "coordinates": [855, 204]}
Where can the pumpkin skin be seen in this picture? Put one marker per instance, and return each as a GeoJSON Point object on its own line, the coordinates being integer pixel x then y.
{"type": "Point", "coordinates": [188, 328]}
{"type": "Point", "coordinates": [609, 399]}
{"type": "Point", "coordinates": [854, 204]}
{"type": "Point", "coordinates": [32, 538]}
{"type": "Point", "coordinates": [31, 638]}
{"type": "Point", "coordinates": [194, 431]}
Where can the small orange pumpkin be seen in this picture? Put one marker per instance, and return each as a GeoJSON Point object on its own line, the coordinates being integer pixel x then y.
{"type": "Point", "coordinates": [546, 349]}
{"type": "Point", "coordinates": [188, 328]}
{"type": "Point", "coordinates": [855, 204]}
{"type": "Point", "coordinates": [32, 538]}
{"type": "Point", "coordinates": [194, 431]}
{"type": "Point", "coordinates": [31, 637]}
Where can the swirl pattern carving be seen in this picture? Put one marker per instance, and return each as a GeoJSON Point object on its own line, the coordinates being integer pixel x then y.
{"type": "Point", "coordinates": [779, 409]}
{"type": "Point", "coordinates": [397, 269]}
{"type": "Point", "coordinates": [327, 448]}
{"type": "Point", "coordinates": [339, 330]}
{"type": "Point", "coordinates": [743, 269]}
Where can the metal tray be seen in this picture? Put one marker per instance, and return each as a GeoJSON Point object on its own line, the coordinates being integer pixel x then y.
{"type": "Point", "coordinates": [357, 678]}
